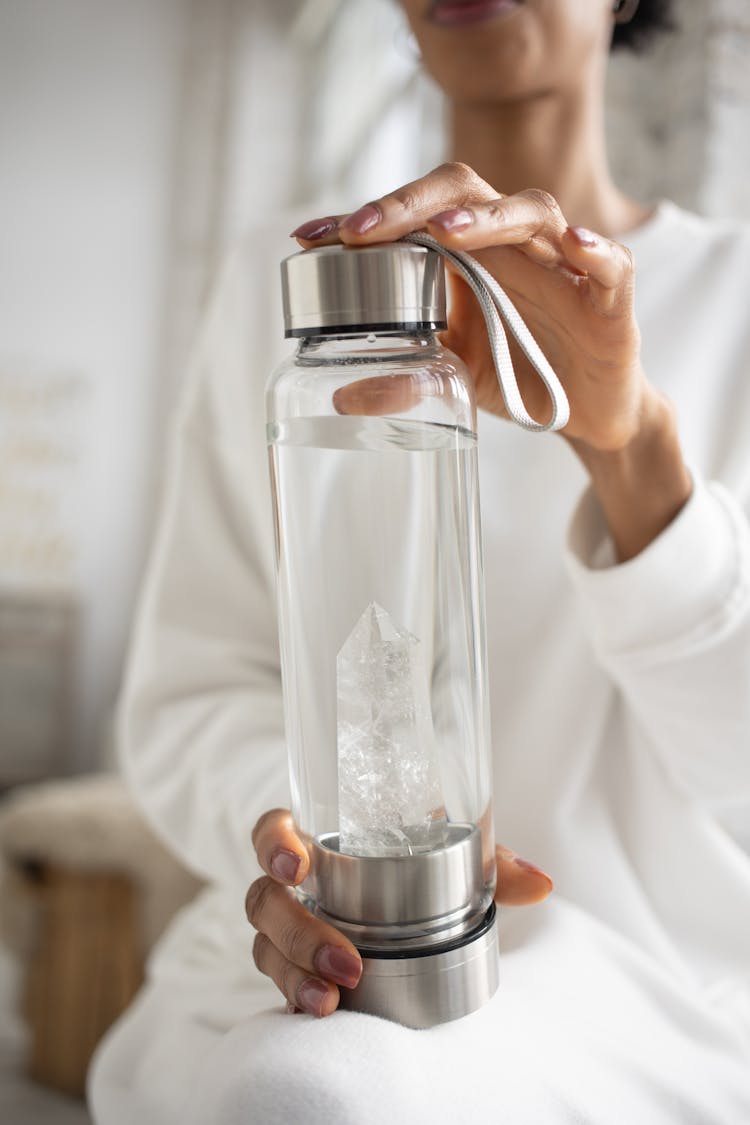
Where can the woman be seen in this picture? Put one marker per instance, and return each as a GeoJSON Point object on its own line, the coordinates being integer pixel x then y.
{"type": "Point", "coordinates": [620, 665]}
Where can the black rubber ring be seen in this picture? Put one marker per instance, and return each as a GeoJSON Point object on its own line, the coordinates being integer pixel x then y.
{"type": "Point", "coordinates": [448, 947]}
{"type": "Point", "coordinates": [361, 329]}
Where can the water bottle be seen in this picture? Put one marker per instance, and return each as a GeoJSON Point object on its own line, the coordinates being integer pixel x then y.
{"type": "Point", "coordinates": [373, 456]}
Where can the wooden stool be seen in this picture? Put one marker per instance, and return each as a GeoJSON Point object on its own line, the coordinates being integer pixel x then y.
{"type": "Point", "coordinates": [86, 889]}
{"type": "Point", "coordinates": [86, 967]}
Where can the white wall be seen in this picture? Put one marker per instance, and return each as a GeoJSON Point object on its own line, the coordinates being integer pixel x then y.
{"type": "Point", "coordinates": [88, 103]}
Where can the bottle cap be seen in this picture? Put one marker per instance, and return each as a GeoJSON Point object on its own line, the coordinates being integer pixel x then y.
{"type": "Point", "coordinates": [388, 287]}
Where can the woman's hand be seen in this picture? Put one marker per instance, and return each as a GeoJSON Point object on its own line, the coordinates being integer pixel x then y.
{"type": "Point", "coordinates": [307, 959]}
{"type": "Point", "coordinates": [575, 291]}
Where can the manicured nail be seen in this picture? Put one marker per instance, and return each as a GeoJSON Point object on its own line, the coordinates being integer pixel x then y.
{"type": "Point", "coordinates": [315, 228]}
{"type": "Point", "coordinates": [455, 220]}
{"type": "Point", "coordinates": [311, 996]}
{"type": "Point", "coordinates": [531, 868]}
{"type": "Point", "coordinates": [338, 965]}
{"type": "Point", "coordinates": [285, 865]}
{"type": "Point", "coordinates": [363, 220]}
{"type": "Point", "coordinates": [585, 237]}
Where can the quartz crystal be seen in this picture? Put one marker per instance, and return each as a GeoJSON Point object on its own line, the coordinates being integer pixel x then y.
{"type": "Point", "coordinates": [390, 798]}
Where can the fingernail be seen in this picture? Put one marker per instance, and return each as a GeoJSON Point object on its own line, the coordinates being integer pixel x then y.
{"type": "Point", "coordinates": [585, 237]}
{"type": "Point", "coordinates": [531, 868]}
{"type": "Point", "coordinates": [285, 865]}
{"type": "Point", "coordinates": [291, 1008]}
{"type": "Point", "coordinates": [315, 228]}
{"type": "Point", "coordinates": [338, 965]}
{"type": "Point", "coordinates": [457, 219]}
{"type": "Point", "coordinates": [311, 995]}
{"type": "Point", "coordinates": [363, 220]}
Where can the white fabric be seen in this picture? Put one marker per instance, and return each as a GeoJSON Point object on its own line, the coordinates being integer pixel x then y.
{"type": "Point", "coordinates": [621, 725]}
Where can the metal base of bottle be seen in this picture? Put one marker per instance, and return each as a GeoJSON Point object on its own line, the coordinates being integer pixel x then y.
{"type": "Point", "coordinates": [422, 988]}
{"type": "Point", "coordinates": [401, 902]}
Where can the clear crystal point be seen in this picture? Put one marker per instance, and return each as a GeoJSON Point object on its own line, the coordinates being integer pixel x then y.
{"type": "Point", "coordinates": [390, 796]}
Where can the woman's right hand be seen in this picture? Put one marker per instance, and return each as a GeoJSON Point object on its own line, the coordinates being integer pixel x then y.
{"type": "Point", "coordinates": [309, 960]}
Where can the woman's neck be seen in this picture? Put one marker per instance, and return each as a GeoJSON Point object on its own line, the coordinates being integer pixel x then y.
{"type": "Point", "coordinates": [553, 141]}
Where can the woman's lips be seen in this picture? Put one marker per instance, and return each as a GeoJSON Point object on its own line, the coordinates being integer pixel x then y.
{"type": "Point", "coordinates": [452, 12]}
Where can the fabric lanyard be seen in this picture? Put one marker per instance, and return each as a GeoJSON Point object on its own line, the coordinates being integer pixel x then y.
{"type": "Point", "coordinates": [500, 313]}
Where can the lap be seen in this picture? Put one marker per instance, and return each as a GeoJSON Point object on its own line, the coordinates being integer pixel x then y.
{"type": "Point", "coordinates": [582, 1029]}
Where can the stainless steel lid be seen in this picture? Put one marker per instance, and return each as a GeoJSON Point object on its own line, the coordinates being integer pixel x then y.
{"type": "Point", "coordinates": [386, 287]}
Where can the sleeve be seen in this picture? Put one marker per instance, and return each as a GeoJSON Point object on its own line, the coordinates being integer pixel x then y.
{"type": "Point", "coordinates": [672, 629]}
{"type": "Point", "coordinates": [200, 722]}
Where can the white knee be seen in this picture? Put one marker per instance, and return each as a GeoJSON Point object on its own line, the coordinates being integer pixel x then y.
{"type": "Point", "coordinates": [275, 1069]}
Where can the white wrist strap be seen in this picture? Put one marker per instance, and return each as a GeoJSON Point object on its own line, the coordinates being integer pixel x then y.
{"type": "Point", "coordinates": [499, 313]}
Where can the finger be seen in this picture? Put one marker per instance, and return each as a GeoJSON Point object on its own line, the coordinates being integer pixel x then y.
{"type": "Point", "coordinates": [608, 266]}
{"type": "Point", "coordinates": [281, 853]}
{"type": "Point", "coordinates": [299, 936]}
{"type": "Point", "coordinates": [319, 232]}
{"type": "Point", "coordinates": [519, 883]}
{"type": "Point", "coordinates": [530, 220]}
{"type": "Point", "coordinates": [408, 208]}
{"type": "Point", "coordinates": [310, 994]}
{"type": "Point", "coordinates": [388, 394]}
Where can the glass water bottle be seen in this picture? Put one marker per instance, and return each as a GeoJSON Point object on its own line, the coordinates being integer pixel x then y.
{"type": "Point", "coordinates": [372, 437]}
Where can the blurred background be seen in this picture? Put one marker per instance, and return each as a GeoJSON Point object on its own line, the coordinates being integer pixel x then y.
{"type": "Point", "coordinates": [139, 140]}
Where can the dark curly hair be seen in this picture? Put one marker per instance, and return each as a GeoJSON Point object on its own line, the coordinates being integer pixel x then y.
{"type": "Point", "coordinates": [651, 17]}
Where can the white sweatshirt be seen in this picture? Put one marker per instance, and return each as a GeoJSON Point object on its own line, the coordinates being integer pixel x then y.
{"type": "Point", "coordinates": [620, 694]}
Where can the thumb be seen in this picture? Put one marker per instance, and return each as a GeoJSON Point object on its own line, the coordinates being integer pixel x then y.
{"type": "Point", "coordinates": [519, 883]}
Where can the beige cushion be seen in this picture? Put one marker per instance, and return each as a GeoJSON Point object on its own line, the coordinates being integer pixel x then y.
{"type": "Point", "coordinates": [85, 824]}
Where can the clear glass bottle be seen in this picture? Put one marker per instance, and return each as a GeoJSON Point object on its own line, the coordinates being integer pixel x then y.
{"type": "Point", "coordinates": [371, 430]}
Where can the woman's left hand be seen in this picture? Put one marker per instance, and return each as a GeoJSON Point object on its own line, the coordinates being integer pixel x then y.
{"type": "Point", "coordinates": [574, 289]}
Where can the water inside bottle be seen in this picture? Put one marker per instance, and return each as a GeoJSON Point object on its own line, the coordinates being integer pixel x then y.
{"type": "Point", "coordinates": [383, 511]}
